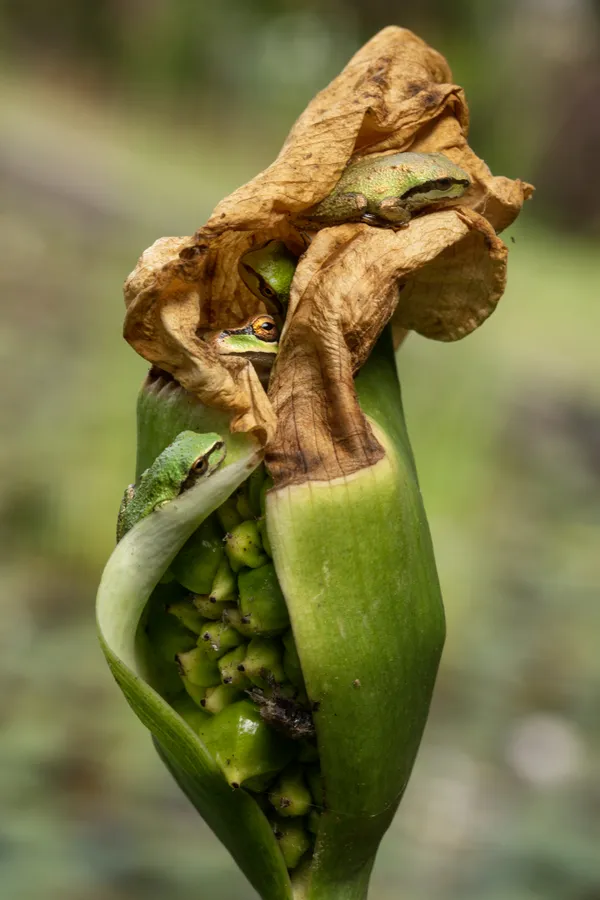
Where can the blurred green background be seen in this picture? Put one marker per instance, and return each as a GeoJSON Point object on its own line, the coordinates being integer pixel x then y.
{"type": "Point", "coordinates": [124, 120]}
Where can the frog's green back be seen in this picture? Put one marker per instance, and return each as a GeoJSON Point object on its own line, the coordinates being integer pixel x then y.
{"type": "Point", "coordinates": [269, 269]}
{"type": "Point", "coordinates": [389, 188]}
{"type": "Point", "coordinates": [397, 173]}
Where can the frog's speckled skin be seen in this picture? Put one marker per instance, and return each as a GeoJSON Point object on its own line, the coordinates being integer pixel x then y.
{"type": "Point", "coordinates": [387, 190]}
{"type": "Point", "coordinates": [190, 457]}
{"type": "Point", "coordinates": [268, 272]}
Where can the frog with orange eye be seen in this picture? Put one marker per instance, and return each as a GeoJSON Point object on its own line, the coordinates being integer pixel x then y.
{"type": "Point", "coordinates": [256, 340]}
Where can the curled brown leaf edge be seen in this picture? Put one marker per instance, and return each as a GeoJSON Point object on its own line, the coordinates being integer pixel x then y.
{"type": "Point", "coordinates": [441, 276]}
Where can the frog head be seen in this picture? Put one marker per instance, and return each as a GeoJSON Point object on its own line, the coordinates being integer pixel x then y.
{"type": "Point", "coordinates": [256, 340]}
{"type": "Point", "coordinates": [190, 457]}
{"type": "Point", "coordinates": [268, 273]}
{"type": "Point", "coordinates": [428, 178]}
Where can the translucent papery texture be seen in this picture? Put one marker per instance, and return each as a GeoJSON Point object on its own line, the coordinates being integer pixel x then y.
{"type": "Point", "coordinates": [345, 290]}
{"type": "Point", "coordinates": [395, 94]}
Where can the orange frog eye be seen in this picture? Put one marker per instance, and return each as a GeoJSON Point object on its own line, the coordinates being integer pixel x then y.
{"type": "Point", "coordinates": [265, 329]}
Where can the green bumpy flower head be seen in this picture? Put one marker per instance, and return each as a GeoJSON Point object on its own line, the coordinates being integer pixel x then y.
{"type": "Point", "coordinates": [280, 644]}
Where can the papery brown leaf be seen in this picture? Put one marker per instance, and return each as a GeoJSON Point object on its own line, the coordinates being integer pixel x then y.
{"type": "Point", "coordinates": [174, 295]}
{"type": "Point", "coordinates": [429, 278]}
{"type": "Point", "coordinates": [395, 94]}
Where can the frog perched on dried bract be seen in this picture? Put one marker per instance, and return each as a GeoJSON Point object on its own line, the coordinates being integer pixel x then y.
{"type": "Point", "coordinates": [388, 190]}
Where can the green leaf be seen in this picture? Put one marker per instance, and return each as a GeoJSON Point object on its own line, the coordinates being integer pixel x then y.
{"type": "Point", "coordinates": [356, 566]}
{"type": "Point", "coordinates": [132, 572]}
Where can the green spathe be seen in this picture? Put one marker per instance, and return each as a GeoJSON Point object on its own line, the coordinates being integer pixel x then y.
{"type": "Point", "coordinates": [291, 662]}
{"type": "Point", "coordinates": [354, 562]}
{"type": "Point", "coordinates": [133, 570]}
{"type": "Point", "coordinates": [350, 554]}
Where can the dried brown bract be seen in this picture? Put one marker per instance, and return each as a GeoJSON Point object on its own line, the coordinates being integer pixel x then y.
{"type": "Point", "coordinates": [441, 276]}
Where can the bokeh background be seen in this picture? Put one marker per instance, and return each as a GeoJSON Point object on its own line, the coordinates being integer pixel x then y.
{"type": "Point", "coordinates": [125, 120]}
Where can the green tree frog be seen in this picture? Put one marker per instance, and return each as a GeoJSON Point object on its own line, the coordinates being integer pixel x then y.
{"type": "Point", "coordinates": [255, 340]}
{"type": "Point", "coordinates": [268, 272]}
{"type": "Point", "coordinates": [386, 190]}
{"type": "Point", "coordinates": [189, 458]}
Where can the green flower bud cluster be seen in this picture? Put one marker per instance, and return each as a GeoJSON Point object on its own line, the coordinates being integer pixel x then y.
{"type": "Point", "coordinates": [224, 657]}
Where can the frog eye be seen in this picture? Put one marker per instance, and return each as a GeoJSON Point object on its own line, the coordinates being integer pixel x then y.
{"type": "Point", "coordinates": [444, 184]}
{"type": "Point", "coordinates": [200, 465]}
{"type": "Point", "coordinates": [265, 329]}
{"type": "Point", "coordinates": [267, 291]}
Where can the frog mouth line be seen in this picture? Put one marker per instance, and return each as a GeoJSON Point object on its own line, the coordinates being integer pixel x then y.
{"type": "Point", "coordinates": [434, 185]}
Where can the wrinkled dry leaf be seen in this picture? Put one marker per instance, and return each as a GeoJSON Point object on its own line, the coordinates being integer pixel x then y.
{"type": "Point", "coordinates": [441, 276]}
{"type": "Point", "coordinates": [345, 291]}
{"type": "Point", "coordinates": [395, 94]}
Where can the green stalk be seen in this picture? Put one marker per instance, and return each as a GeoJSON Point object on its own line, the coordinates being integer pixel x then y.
{"type": "Point", "coordinates": [356, 566]}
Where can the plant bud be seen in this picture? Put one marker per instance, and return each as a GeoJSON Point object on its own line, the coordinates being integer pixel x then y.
{"type": "Point", "coordinates": [194, 691]}
{"type": "Point", "coordinates": [198, 667]}
{"type": "Point", "coordinates": [218, 697]}
{"type": "Point", "coordinates": [209, 609]}
{"type": "Point", "coordinates": [263, 663]}
{"type": "Point", "coordinates": [232, 668]}
{"type": "Point", "coordinates": [262, 601]}
{"type": "Point", "coordinates": [217, 638]}
{"type": "Point", "coordinates": [243, 745]}
{"type": "Point", "coordinates": [244, 548]}
{"type": "Point", "coordinates": [196, 564]}
{"type": "Point", "coordinates": [188, 615]}
{"type": "Point", "coordinates": [224, 586]}
{"type": "Point", "coordinates": [290, 795]}
{"type": "Point", "coordinates": [241, 623]}
{"type": "Point", "coordinates": [293, 840]}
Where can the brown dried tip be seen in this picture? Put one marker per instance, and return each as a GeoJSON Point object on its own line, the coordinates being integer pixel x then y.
{"type": "Point", "coordinates": [441, 276]}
